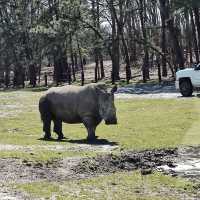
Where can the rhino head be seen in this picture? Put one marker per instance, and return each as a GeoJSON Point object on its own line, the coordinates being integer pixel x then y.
{"type": "Point", "coordinates": [107, 109]}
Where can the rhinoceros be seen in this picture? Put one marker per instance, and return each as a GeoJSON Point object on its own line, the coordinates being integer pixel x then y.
{"type": "Point", "coordinates": [74, 104]}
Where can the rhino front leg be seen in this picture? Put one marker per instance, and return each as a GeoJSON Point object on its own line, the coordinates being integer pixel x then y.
{"type": "Point", "coordinates": [91, 128]}
{"type": "Point", "coordinates": [58, 129]}
{"type": "Point", "coordinates": [91, 134]}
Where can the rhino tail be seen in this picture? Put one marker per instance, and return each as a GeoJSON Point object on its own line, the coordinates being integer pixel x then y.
{"type": "Point", "coordinates": [44, 108]}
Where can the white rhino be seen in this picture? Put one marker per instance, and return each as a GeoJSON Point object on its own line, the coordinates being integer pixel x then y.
{"type": "Point", "coordinates": [73, 104]}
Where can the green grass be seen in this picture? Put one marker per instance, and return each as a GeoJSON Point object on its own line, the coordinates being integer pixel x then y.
{"type": "Point", "coordinates": [40, 155]}
{"type": "Point", "coordinates": [157, 123]}
{"type": "Point", "coordinates": [117, 186]}
{"type": "Point", "coordinates": [143, 124]}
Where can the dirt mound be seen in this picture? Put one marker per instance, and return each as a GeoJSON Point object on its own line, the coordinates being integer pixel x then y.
{"type": "Point", "coordinates": [145, 160]}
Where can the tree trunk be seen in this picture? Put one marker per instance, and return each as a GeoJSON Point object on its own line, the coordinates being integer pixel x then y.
{"type": "Point", "coordinates": [163, 45]}
{"type": "Point", "coordinates": [197, 21]}
{"type": "Point", "coordinates": [194, 36]}
{"type": "Point", "coordinates": [115, 53]}
{"type": "Point", "coordinates": [7, 75]}
{"type": "Point", "coordinates": [101, 66]}
{"type": "Point", "coordinates": [32, 75]}
{"type": "Point", "coordinates": [100, 55]}
{"type": "Point", "coordinates": [45, 80]}
{"type": "Point", "coordinates": [81, 63]}
{"type": "Point", "coordinates": [120, 26]}
{"type": "Point", "coordinates": [145, 67]}
{"type": "Point", "coordinates": [188, 37]}
{"type": "Point", "coordinates": [159, 69]}
{"type": "Point", "coordinates": [96, 66]}
{"type": "Point", "coordinates": [165, 10]}
{"type": "Point", "coordinates": [19, 76]}
{"type": "Point", "coordinates": [132, 43]}
{"type": "Point", "coordinates": [76, 61]}
{"type": "Point", "coordinates": [72, 58]}
{"type": "Point", "coordinates": [127, 59]}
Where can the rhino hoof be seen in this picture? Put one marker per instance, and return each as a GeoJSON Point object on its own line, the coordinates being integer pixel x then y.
{"type": "Point", "coordinates": [91, 139]}
{"type": "Point", "coordinates": [61, 138]}
{"type": "Point", "coordinates": [48, 138]}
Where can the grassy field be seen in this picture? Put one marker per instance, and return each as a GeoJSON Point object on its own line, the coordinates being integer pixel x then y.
{"type": "Point", "coordinates": [130, 186]}
{"type": "Point", "coordinates": [143, 124]}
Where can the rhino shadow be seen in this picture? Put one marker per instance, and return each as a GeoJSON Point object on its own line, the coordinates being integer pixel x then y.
{"type": "Point", "coordinates": [53, 140]}
{"type": "Point", "coordinates": [94, 142]}
{"type": "Point", "coordinates": [83, 141]}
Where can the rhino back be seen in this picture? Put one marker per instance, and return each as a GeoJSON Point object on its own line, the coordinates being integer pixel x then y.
{"type": "Point", "coordinates": [72, 103]}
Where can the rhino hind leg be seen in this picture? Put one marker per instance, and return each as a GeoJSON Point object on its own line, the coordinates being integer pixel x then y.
{"type": "Point", "coordinates": [47, 128]}
{"type": "Point", "coordinates": [45, 117]}
{"type": "Point", "coordinates": [58, 129]}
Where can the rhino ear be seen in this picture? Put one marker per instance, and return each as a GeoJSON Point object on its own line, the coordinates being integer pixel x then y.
{"type": "Point", "coordinates": [114, 89]}
{"type": "Point", "coordinates": [101, 86]}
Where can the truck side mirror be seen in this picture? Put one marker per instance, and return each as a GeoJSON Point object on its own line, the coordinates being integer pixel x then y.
{"type": "Point", "coordinates": [197, 67]}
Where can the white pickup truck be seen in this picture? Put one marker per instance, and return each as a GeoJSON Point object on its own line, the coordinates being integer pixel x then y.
{"type": "Point", "coordinates": [188, 80]}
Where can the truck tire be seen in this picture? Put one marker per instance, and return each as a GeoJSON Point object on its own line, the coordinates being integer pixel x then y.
{"type": "Point", "coordinates": [186, 88]}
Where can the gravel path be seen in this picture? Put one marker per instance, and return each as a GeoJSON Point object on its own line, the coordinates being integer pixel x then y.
{"type": "Point", "coordinates": [150, 91]}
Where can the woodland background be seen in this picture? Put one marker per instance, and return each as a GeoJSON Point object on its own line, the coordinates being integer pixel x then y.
{"type": "Point", "coordinates": [135, 36]}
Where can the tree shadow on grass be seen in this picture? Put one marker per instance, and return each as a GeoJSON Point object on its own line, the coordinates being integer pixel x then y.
{"type": "Point", "coordinates": [82, 141]}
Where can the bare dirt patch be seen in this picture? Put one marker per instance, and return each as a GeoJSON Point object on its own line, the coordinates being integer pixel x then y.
{"type": "Point", "coordinates": [104, 148]}
{"type": "Point", "coordinates": [186, 164]}
{"type": "Point", "coordinates": [7, 194]}
{"type": "Point", "coordinates": [17, 170]}
{"type": "Point", "coordinates": [60, 148]}
{"type": "Point", "coordinates": [146, 161]}
{"type": "Point", "coordinates": [24, 171]}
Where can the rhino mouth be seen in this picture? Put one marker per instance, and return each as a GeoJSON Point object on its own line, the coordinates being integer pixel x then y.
{"type": "Point", "coordinates": [111, 121]}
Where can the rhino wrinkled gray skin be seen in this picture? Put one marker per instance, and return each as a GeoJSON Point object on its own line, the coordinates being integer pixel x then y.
{"type": "Point", "coordinates": [73, 104]}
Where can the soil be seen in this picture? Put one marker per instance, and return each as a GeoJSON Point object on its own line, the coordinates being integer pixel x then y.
{"type": "Point", "coordinates": [186, 164]}
{"type": "Point", "coordinates": [17, 170]}
{"type": "Point", "coordinates": [165, 160]}
{"type": "Point", "coordinates": [146, 161]}
{"type": "Point", "coordinates": [59, 148]}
